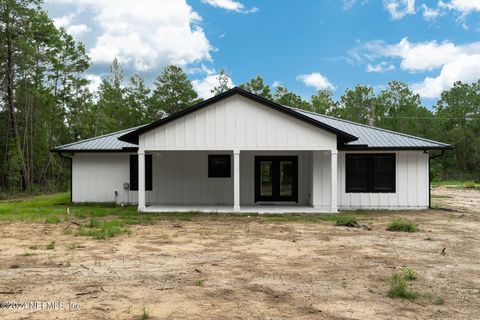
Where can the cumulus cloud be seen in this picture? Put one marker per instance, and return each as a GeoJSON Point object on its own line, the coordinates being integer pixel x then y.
{"type": "Point", "coordinates": [230, 5]}
{"type": "Point", "coordinates": [430, 14]}
{"type": "Point", "coordinates": [66, 22]}
{"type": "Point", "coordinates": [204, 86]}
{"type": "Point", "coordinates": [316, 80]}
{"type": "Point", "coordinates": [94, 82]}
{"type": "Point", "coordinates": [462, 6]}
{"type": "Point", "coordinates": [399, 8]}
{"type": "Point", "coordinates": [454, 62]}
{"type": "Point", "coordinates": [380, 67]}
{"type": "Point", "coordinates": [155, 33]}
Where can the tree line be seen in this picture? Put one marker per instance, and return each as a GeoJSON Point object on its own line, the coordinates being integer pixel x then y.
{"type": "Point", "coordinates": [45, 101]}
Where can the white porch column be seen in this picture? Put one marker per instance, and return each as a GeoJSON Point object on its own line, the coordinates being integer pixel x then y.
{"type": "Point", "coordinates": [333, 181]}
{"type": "Point", "coordinates": [316, 192]}
{"type": "Point", "coordinates": [141, 181]}
{"type": "Point", "coordinates": [236, 180]}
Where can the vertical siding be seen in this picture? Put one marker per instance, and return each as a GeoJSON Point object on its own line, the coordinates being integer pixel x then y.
{"type": "Point", "coordinates": [237, 123]}
{"type": "Point", "coordinates": [96, 177]}
{"type": "Point", "coordinates": [411, 185]}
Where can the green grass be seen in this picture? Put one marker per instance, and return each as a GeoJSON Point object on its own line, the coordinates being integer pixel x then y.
{"type": "Point", "coordinates": [438, 301]}
{"type": "Point", "coordinates": [399, 288]}
{"type": "Point", "coordinates": [402, 225]}
{"type": "Point", "coordinates": [199, 282]}
{"type": "Point", "coordinates": [145, 313]}
{"type": "Point", "coordinates": [348, 221]}
{"type": "Point", "coordinates": [54, 219]}
{"type": "Point", "coordinates": [455, 184]}
{"type": "Point", "coordinates": [409, 274]}
{"type": "Point", "coordinates": [438, 196]}
{"type": "Point", "coordinates": [103, 229]}
{"type": "Point", "coordinates": [50, 245]}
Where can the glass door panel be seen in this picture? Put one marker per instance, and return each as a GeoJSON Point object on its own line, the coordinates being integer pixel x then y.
{"type": "Point", "coordinates": [266, 178]}
{"type": "Point", "coordinates": [286, 178]}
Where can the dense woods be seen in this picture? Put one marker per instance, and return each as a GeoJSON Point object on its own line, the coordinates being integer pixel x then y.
{"type": "Point", "coordinates": [46, 101]}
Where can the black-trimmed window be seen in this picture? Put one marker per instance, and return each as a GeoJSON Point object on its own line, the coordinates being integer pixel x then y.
{"type": "Point", "coordinates": [219, 166]}
{"type": "Point", "coordinates": [370, 172]}
{"type": "Point", "coordinates": [134, 172]}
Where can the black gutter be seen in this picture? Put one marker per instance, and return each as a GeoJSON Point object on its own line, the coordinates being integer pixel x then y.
{"type": "Point", "coordinates": [71, 174]}
{"type": "Point", "coordinates": [430, 178]}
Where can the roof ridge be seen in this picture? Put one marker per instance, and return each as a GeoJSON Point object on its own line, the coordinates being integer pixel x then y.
{"type": "Point", "coordinates": [97, 137]}
{"type": "Point", "coordinates": [368, 126]}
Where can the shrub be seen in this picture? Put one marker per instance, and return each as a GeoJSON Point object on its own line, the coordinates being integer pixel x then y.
{"type": "Point", "coordinates": [399, 288]}
{"type": "Point", "coordinates": [347, 221]}
{"type": "Point", "coordinates": [469, 184]}
{"type": "Point", "coordinates": [145, 313]}
{"type": "Point", "coordinates": [402, 225]}
{"type": "Point", "coordinates": [409, 274]}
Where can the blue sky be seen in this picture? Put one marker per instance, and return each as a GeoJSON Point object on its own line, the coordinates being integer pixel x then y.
{"type": "Point", "coordinates": [304, 45]}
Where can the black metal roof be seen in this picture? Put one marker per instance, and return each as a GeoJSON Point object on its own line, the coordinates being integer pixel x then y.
{"type": "Point", "coordinates": [351, 135]}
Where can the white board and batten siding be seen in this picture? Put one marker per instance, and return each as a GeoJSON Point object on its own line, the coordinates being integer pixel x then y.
{"type": "Point", "coordinates": [237, 123]}
{"type": "Point", "coordinates": [96, 177]}
{"type": "Point", "coordinates": [412, 185]}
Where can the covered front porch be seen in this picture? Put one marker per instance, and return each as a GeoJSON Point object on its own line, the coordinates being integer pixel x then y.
{"type": "Point", "coordinates": [238, 181]}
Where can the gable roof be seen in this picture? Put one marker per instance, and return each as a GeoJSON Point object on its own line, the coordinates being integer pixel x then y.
{"type": "Point", "coordinates": [351, 135]}
{"type": "Point", "coordinates": [105, 143]}
{"type": "Point", "coordinates": [373, 138]}
{"type": "Point", "coordinates": [132, 137]}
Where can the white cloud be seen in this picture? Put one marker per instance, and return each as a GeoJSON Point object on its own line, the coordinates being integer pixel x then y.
{"type": "Point", "coordinates": [230, 5]}
{"type": "Point", "coordinates": [276, 83]}
{"type": "Point", "coordinates": [73, 29]}
{"type": "Point", "coordinates": [380, 67]}
{"type": "Point", "coordinates": [399, 8]}
{"type": "Point", "coordinates": [316, 80]}
{"type": "Point", "coordinates": [94, 82]}
{"type": "Point", "coordinates": [147, 35]}
{"type": "Point", "coordinates": [204, 86]}
{"type": "Point", "coordinates": [348, 4]}
{"type": "Point", "coordinates": [430, 14]}
{"type": "Point", "coordinates": [77, 29]}
{"type": "Point", "coordinates": [454, 62]}
{"type": "Point", "coordinates": [462, 6]}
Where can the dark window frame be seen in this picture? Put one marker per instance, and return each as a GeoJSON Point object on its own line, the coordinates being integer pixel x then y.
{"type": "Point", "coordinates": [134, 172]}
{"type": "Point", "coordinates": [216, 172]}
{"type": "Point", "coordinates": [276, 197]}
{"type": "Point", "coordinates": [371, 173]}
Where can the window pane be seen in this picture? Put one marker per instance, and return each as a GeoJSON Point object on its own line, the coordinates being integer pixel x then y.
{"type": "Point", "coordinates": [286, 178]}
{"type": "Point", "coordinates": [266, 183]}
{"type": "Point", "coordinates": [219, 166]}
{"type": "Point", "coordinates": [384, 173]}
{"type": "Point", "coordinates": [357, 173]}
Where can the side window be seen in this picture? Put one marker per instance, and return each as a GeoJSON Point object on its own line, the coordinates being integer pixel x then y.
{"type": "Point", "coordinates": [134, 172]}
{"type": "Point", "coordinates": [370, 173]}
{"type": "Point", "coordinates": [219, 166]}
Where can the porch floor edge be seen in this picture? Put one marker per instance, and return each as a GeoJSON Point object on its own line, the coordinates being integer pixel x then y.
{"type": "Point", "coordinates": [229, 209]}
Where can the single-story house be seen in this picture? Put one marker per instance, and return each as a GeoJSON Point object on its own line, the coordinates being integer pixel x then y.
{"type": "Point", "coordinates": [239, 152]}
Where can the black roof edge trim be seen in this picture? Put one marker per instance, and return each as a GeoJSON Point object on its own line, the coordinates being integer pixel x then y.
{"type": "Point", "coordinates": [132, 137]}
{"type": "Point", "coordinates": [366, 148]}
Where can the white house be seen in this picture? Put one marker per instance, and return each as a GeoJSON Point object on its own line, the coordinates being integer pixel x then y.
{"type": "Point", "coordinates": [238, 152]}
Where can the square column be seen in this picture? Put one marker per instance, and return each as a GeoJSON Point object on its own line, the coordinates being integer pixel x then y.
{"type": "Point", "coordinates": [316, 192]}
{"type": "Point", "coordinates": [333, 181]}
{"type": "Point", "coordinates": [236, 180]}
{"type": "Point", "coordinates": [141, 181]}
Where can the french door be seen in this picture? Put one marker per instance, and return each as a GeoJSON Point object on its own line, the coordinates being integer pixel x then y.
{"type": "Point", "coordinates": [276, 178]}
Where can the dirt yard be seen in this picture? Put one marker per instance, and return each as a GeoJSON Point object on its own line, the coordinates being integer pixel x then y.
{"type": "Point", "coordinates": [241, 267]}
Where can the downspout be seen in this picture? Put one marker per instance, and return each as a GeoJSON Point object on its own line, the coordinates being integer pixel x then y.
{"type": "Point", "coordinates": [71, 174]}
{"type": "Point", "coordinates": [430, 178]}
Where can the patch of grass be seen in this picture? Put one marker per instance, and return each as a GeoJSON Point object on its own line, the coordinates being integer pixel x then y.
{"type": "Point", "coordinates": [428, 238]}
{"type": "Point", "coordinates": [50, 245]}
{"type": "Point", "coordinates": [145, 313]}
{"type": "Point", "coordinates": [53, 219]}
{"type": "Point", "coordinates": [199, 282]}
{"type": "Point", "coordinates": [399, 288]}
{"type": "Point", "coordinates": [402, 225]}
{"type": "Point", "coordinates": [347, 221]}
{"type": "Point", "coordinates": [469, 184]}
{"type": "Point", "coordinates": [33, 247]}
{"type": "Point", "coordinates": [409, 274]}
{"type": "Point", "coordinates": [438, 301]}
{"type": "Point", "coordinates": [103, 229]}
{"type": "Point", "coordinates": [28, 254]}
{"type": "Point", "coordinates": [439, 196]}
{"type": "Point", "coordinates": [71, 246]}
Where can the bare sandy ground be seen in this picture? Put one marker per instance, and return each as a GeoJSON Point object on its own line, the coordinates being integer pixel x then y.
{"type": "Point", "coordinates": [234, 268]}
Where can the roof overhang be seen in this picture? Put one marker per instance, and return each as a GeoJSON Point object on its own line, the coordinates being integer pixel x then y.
{"type": "Point", "coordinates": [132, 137]}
